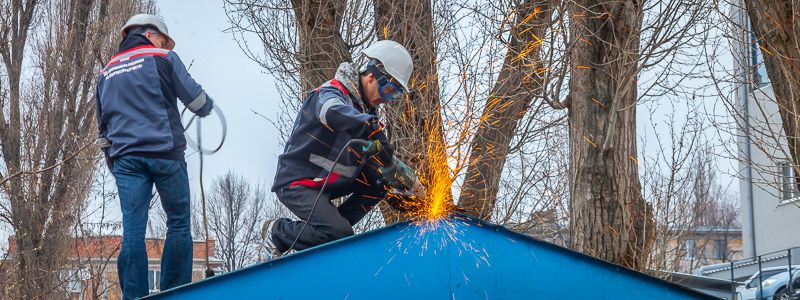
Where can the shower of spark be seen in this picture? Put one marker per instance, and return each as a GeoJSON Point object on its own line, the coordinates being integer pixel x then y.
{"type": "Point", "coordinates": [439, 201]}
{"type": "Point", "coordinates": [438, 180]}
{"type": "Point", "coordinates": [441, 236]}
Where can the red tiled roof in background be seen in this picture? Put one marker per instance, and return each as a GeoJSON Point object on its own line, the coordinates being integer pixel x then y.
{"type": "Point", "coordinates": [108, 246]}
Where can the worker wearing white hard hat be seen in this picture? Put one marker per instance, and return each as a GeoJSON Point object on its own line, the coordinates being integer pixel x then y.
{"type": "Point", "coordinates": [141, 136]}
{"type": "Point", "coordinates": [160, 38]}
{"type": "Point", "coordinates": [314, 170]}
{"type": "Point", "coordinates": [390, 67]}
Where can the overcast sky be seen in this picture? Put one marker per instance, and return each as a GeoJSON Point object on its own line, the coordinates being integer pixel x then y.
{"type": "Point", "coordinates": [237, 86]}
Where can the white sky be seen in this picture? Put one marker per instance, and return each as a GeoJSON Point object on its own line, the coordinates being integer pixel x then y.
{"type": "Point", "coordinates": [237, 85]}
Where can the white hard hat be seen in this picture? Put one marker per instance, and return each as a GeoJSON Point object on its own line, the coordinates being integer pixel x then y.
{"type": "Point", "coordinates": [148, 19]}
{"type": "Point", "coordinates": [395, 59]}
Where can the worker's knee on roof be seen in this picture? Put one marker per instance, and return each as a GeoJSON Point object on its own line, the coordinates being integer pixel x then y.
{"type": "Point", "coordinates": [340, 230]}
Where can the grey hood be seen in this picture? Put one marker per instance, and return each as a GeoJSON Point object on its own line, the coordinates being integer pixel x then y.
{"type": "Point", "coordinates": [349, 77]}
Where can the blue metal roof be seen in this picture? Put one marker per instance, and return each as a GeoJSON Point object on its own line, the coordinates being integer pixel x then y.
{"type": "Point", "coordinates": [458, 258]}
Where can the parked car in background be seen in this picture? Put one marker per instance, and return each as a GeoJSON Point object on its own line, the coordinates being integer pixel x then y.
{"type": "Point", "coordinates": [775, 281]}
{"type": "Point", "coordinates": [780, 284]}
{"type": "Point", "coordinates": [794, 293]}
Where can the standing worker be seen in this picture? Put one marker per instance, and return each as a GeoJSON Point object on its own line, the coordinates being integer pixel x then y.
{"type": "Point", "coordinates": [319, 163]}
{"type": "Point", "coordinates": [141, 135]}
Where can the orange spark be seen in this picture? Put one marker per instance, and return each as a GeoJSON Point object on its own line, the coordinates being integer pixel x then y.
{"type": "Point", "coordinates": [765, 49]}
{"type": "Point", "coordinates": [598, 102]}
{"type": "Point", "coordinates": [590, 141]}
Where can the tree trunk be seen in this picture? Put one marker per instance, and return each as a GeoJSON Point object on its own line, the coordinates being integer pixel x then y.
{"type": "Point", "coordinates": [509, 100]}
{"type": "Point", "coordinates": [415, 124]}
{"type": "Point", "coordinates": [777, 29]}
{"type": "Point", "coordinates": [322, 48]}
{"type": "Point", "coordinates": [47, 154]}
{"type": "Point", "coordinates": [609, 218]}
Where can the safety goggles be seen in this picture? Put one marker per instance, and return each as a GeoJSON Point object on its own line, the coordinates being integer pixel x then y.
{"type": "Point", "coordinates": [389, 90]}
{"type": "Point", "coordinates": [388, 87]}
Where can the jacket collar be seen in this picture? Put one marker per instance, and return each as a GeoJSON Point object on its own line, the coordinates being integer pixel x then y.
{"type": "Point", "coordinates": [135, 38]}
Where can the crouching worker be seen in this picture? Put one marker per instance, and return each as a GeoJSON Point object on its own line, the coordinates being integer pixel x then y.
{"type": "Point", "coordinates": [319, 163]}
{"type": "Point", "coordinates": [142, 138]}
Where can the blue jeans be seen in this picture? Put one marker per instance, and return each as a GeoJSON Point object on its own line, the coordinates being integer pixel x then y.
{"type": "Point", "coordinates": [135, 177]}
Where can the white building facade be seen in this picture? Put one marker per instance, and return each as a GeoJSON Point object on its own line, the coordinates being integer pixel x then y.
{"type": "Point", "coordinates": [770, 201]}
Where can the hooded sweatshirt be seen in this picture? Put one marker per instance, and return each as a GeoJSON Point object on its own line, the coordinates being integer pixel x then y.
{"type": "Point", "coordinates": [331, 115]}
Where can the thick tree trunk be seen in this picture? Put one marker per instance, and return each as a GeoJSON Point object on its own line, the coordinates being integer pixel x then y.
{"type": "Point", "coordinates": [322, 48]}
{"type": "Point", "coordinates": [609, 218]}
{"type": "Point", "coordinates": [415, 124]}
{"type": "Point", "coordinates": [509, 100]}
{"type": "Point", "coordinates": [50, 142]}
{"type": "Point", "coordinates": [777, 28]}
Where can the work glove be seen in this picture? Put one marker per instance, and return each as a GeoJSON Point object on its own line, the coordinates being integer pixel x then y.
{"type": "Point", "coordinates": [379, 147]}
{"type": "Point", "coordinates": [401, 177]}
{"type": "Point", "coordinates": [391, 176]}
{"type": "Point", "coordinates": [385, 151]}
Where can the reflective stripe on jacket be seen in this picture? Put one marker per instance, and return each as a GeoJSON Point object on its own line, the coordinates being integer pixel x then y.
{"type": "Point", "coordinates": [137, 110]}
{"type": "Point", "coordinates": [330, 116]}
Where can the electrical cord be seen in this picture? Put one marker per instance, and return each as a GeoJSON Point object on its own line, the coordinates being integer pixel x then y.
{"type": "Point", "coordinates": [322, 189]}
{"type": "Point", "coordinates": [201, 152]}
{"type": "Point", "coordinates": [194, 145]}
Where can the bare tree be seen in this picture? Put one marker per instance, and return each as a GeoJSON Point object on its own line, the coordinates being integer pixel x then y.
{"type": "Point", "coordinates": [47, 124]}
{"type": "Point", "coordinates": [715, 215]}
{"type": "Point", "coordinates": [519, 81]}
{"type": "Point", "coordinates": [94, 245]}
{"type": "Point", "coordinates": [301, 43]}
{"type": "Point", "coordinates": [667, 184]}
{"type": "Point", "coordinates": [608, 214]}
{"type": "Point", "coordinates": [235, 211]}
{"type": "Point", "coordinates": [613, 42]}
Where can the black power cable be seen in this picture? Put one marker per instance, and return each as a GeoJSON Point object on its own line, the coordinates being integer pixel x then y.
{"type": "Point", "coordinates": [324, 184]}
{"type": "Point", "coordinates": [201, 151]}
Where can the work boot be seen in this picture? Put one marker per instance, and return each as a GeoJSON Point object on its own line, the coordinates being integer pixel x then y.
{"type": "Point", "coordinates": [266, 240]}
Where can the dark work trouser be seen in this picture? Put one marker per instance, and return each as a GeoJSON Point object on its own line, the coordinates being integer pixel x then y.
{"type": "Point", "coordinates": [328, 222]}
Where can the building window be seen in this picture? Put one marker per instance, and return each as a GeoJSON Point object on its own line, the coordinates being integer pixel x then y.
{"type": "Point", "coordinates": [154, 279]}
{"type": "Point", "coordinates": [720, 249]}
{"type": "Point", "coordinates": [689, 248]}
{"type": "Point", "coordinates": [757, 66]}
{"type": "Point", "coordinates": [789, 189]}
{"type": "Point", "coordinates": [72, 280]}
{"type": "Point", "coordinates": [73, 285]}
